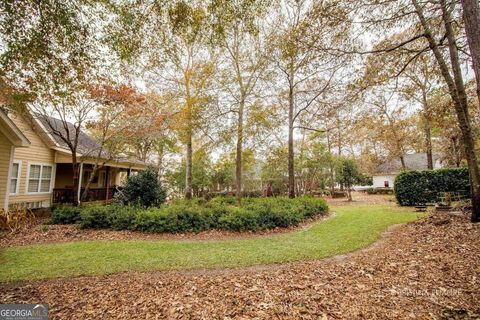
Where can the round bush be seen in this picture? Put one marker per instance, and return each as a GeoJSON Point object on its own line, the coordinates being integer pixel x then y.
{"type": "Point", "coordinates": [143, 189]}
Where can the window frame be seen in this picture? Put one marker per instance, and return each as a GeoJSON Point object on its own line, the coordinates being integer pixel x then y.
{"type": "Point", "coordinates": [52, 178]}
{"type": "Point", "coordinates": [19, 175]}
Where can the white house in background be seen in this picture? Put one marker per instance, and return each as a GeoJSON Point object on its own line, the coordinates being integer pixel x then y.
{"type": "Point", "coordinates": [386, 172]}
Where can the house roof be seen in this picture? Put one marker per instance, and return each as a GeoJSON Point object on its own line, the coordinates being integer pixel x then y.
{"type": "Point", "coordinates": [58, 129]}
{"type": "Point", "coordinates": [415, 161]}
{"type": "Point", "coordinates": [87, 145]}
{"type": "Point", "coordinates": [11, 131]}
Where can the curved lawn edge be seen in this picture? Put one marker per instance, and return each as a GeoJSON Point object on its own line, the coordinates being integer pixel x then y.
{"type": "Point", "coordinates": [37, 237]}
{"type": "Point", "coordinates": [352, 228]}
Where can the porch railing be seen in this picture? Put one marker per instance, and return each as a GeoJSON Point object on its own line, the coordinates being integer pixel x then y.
{"type": "Point", "coordinates": [65, 195]}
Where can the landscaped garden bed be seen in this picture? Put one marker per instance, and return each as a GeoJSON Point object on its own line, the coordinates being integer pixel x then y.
{"type": "Point", "coordinates": [254, 214]}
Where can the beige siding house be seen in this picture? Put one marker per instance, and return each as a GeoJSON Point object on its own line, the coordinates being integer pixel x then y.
{"type": "Point", "coordinates": [36, 168]}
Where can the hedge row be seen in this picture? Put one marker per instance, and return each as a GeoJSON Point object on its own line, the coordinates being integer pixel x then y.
{"type": "Point", "coordinates": [422, 187]}
{"type": "Point", "coordinates": [196, 215]}
{"type": "Point", "coordinates": [245, 194]}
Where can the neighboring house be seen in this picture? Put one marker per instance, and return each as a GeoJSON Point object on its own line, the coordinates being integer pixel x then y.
{"type": "Point", "coordinates": [36, 166]}
{"type": "Point", "coordinates": [386, 172]}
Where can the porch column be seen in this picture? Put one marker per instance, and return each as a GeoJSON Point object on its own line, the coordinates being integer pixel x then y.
{"type": "Point", "coordinates": [107, 181]}
{"type": "Point", "coordinates": [79, 191]}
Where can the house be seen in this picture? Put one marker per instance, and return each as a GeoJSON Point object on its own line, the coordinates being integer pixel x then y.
{"type": "Point", "coordinates": [36, 165]}
{"type": "Point", "coordinates": [386, 172]}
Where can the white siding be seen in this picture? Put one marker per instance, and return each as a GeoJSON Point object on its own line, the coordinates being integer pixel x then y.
{"type": "Point", "coordinates": [379, 181]}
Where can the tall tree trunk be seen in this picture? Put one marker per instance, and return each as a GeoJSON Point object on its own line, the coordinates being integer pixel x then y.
{"type": "Point", "coordinates": [291, 155]}
{"type": "Point", "coordinates": [339, 137]}
{"type": "Point", "coordinates": [471, 17]}
{"type": "Point", "coordinates": [402, 161]}
{"type": "Point", "coordinates": [189, 142]}
{"type": "Point", "coordinates": [160, 153]}
{"type": "Point", "coordinates": [331, 165]}
{"type": "Point", "coordinates": [188, 171]}
{"type": "Point", "coordinates": [456, 153]}
{"type": "Point", "coordinates": [238, 159]}
{"type": "Point", "coordinates": [427, 129]}
{"type": "Point", "coordinates": [428, 143]}
{"type": "Point", "coordinates": [456, 89]}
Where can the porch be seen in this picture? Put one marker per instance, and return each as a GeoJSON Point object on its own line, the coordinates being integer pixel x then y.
{"type": "Point", "coordinates": [105, 184]}
{"type": "Point", "coordinates": [66, 195]}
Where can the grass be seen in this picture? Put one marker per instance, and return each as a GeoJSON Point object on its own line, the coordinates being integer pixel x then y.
{"type": "Point", "coordinates": [352, 228]}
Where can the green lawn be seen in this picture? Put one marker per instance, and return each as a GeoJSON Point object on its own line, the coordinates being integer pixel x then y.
{"type": "Point", "coordinates": [352, 228]}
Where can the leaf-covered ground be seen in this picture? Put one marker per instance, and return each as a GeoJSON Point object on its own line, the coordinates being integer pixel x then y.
{"type": "Point", "coordinates": [428, 269]}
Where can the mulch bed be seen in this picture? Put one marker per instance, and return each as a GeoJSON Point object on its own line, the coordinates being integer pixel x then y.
{"type": "Point", "coordinates": [429, 269]}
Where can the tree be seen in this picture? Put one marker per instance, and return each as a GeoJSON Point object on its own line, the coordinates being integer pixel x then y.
{"type": "Point", "coordinates": [471, 18]}
{"type": "Point", "coordinates": [392, 126]}
{"type": "Point", "coordinates": [47, 46]}
{"type": "Point", "coordinates": [348, 175]}
{"type": "Point", "coordinates": [313, 163]}
{"type": "Point", "coordinates": [275, 172]}
{"type": "Point", "coordinates": [433, 24]}
{"type": "Point", "coordinates": [305, 34]}
{"type": "Point", "coordinates": [65, 118]}
{"type": "Point", "coordinates": [237, 27]}
{"type": "Point", "coordinates": [456, 86]}
{"type": "Point", "coordinates": [123, 117]}
{"type": "Point", "coordinates": [421, 78]}
{"type": "Point", "coordinates": [169, 42]}
{"type": "Point", "coordinates": [202, 173]}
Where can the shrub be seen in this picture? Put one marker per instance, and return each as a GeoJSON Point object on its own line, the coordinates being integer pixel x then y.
{"type": "Point", "coordinates": [143, 189]}
{"type": "Point", "coordinates": [312, 206]}
{"type": "Point", "coordinates": [96, 216]}
{"type": "Point", "coordinates": [198, 215]}
{"type": "Point", "coordinates": [422, 187]}
{"type": "Point", "coordinates": [65, 215]}
{"type": "Point", "coordinates": [240, 219]}
{"type": "Point", "coordinates": [232, 194]}
{"type": "Point", "coordinates": [122, 217]}
{"type": "Point", "coordinates": [184, 218]}
{"type": "Point", "coordinates": [151, 220]}
{"type": "Point", "coordinates": [175, 218]}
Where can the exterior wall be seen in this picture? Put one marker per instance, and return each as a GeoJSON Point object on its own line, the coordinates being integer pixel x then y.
{"type": "Point", "coordinates": [37, 153]}
{"type": "Point", "coordinates": [379, 181]}
{"type": "Point", "coordinates": [63, 158]}
{"type": "Point", "coordinates": [5, 163]}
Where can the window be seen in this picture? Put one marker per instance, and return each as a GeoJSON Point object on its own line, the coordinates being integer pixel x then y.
{"type": "Point", "coordinates": [386, 183]}
{"type": "Point", "coordinates": [15, 178]}
{"type": "Point", "coordinates": [39, 178]}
